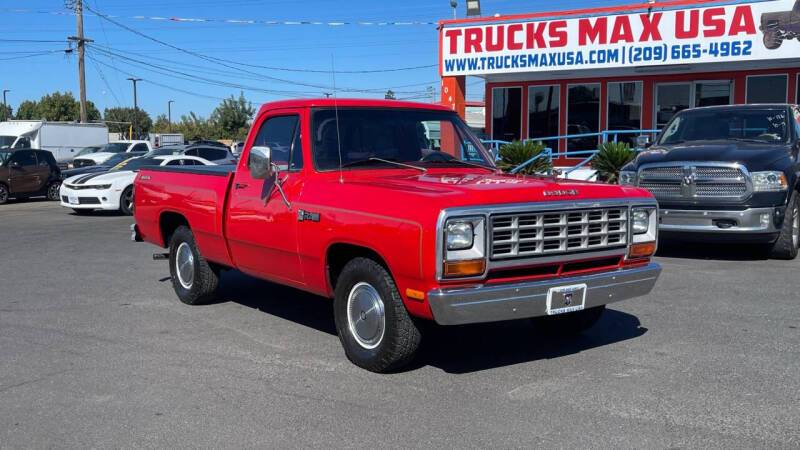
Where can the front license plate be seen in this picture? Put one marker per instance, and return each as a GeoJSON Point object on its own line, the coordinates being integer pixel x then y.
{"type": "Point", "coordinates": [73, 200]}
{"type": "Point", "coordinates": [565, 299]}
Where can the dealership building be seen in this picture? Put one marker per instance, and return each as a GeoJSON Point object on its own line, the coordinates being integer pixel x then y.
{"type": "Point", "coordinates": [620, 68]}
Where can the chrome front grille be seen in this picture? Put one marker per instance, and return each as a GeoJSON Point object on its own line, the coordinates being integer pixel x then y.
{"type": "Point", "coordinates": [691, 181]}
{"type": "Point", "coordinates": [557, 232]}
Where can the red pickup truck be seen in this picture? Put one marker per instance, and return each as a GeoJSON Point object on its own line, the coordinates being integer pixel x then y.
{"type": "Point", "coordinates": [397, 212]}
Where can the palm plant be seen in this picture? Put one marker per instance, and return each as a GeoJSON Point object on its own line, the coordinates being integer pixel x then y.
{"type": "Point", "coordinates": [610, 159]}
{"type": "Point", "coordinates": [517, 152]}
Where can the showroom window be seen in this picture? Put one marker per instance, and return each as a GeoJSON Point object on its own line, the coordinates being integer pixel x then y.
{"type": "Point", "coordinates": [712, 93]}
{"type": "Point", "coordinates": [506, 113]}
{"type": "Point", "coordinates": [625, 109]}
{"type": "Point", "coordinates": [583, 115]}
{"type": "Point", "coordinates": [543, 113]}
{"type": "Point", "coordinates": [767, 88]}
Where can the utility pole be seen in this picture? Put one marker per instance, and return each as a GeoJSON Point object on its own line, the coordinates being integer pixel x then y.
{"type": "Point", "coordinates": [81, 41]}
{"type": "Point", "coordinates": [135, 103]}
{"type": "Point", "coordinates": [5, 105]}
{"type": "Point", "coordinates": [169, 114]}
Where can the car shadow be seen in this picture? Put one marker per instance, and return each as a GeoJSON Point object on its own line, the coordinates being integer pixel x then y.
{"type": "Point", "coordinates": [458, 349]}
{"type": "Point", "coordinates": [711, 251]}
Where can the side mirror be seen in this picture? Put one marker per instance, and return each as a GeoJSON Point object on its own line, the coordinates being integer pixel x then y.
{"type": "Point", "coordinates": [260, 163]}
{"type": "Point", "coordinates": [643, 141]}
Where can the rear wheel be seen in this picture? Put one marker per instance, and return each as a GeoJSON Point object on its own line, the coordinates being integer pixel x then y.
{"type": "Point", "coordinates": [772, 41]}
{"type": "Point", "coordinates": [373, 325]}
{"type": "Point", "coordinates": [126, 201]}
{"type": "Point", "coordinates": [52, 190]}
{"type": "Point", "coordinates": [3, 194]}
{"type": "Point", "coordinates": [570, 323]}
{"type": "Point", "coordinates": [786, 247]}
{"type": "Point", "coordinates": [193, 279]}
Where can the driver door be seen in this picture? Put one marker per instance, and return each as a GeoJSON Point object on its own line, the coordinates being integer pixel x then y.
{"type": "Point", "coordinates": [262, 229]}
{"type": "Point", "coordinates": [24, 176]}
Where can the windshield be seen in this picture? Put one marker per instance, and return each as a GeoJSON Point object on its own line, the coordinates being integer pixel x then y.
{"type": "Point", "coordinates": [88, 150]}
{"type": "Point", "coordinates": [114, 147]}
{"type": "Point", "coordinates": [4, 156]}
{"type": "Point", "coordinates": [376, 138]}
{"type": "Point", "coordinates": [7, 141]}
{"type": "Point", "coordinates": [767, 126]}
{"type": "Point", "coordinates": [164, 151]}
{"type": "Point", "coordinates": [136, 164]}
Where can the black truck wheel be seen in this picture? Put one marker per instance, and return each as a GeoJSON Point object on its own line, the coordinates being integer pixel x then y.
{"type": "Point", "coordinates": [570, 323]}
{"type": "Point", "coordinates": [772, 41]}
{"type": "Point", "coordinates": [786, 247]}
{"type": "Point", "coordinates": [193, 279]}
{"type": "Point", "coordinates": [373, 325]}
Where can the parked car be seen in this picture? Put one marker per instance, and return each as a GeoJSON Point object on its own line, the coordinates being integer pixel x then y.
{"type": "Point", "coordinates": [727, 173]}
{"type": "Point", "coordinates": [104, 167]}
{"type": "Point", "coordinates": [208, 143]}
{"type": "Point", "coordinates": [397, 229]}
{"type": "Point", "coordinates": [28, 173]}
{"type": "Point", "coordinates": [63, 139]}
{"type": "Point", "coordinates": [219, 155]}
{"type": "Point", "coordinates": [237, 147]}
{"type": "Point", "coordinates": [780, 26]}
{"type": "Point", "coordinates": [113, 190]}
{"type": "Point", "coordinates": [110, 150]}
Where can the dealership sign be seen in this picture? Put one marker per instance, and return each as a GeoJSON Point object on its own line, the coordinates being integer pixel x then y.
{"type": "Point", "coordinates": [734, 32]}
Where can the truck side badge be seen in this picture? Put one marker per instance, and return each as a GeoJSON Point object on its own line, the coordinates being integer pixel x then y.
{"type": "Point", "coordinates": [303, 216]}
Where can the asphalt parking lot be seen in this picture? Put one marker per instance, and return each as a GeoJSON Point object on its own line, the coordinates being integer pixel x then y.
{"type": "Point", "coordinates": [96, 351]}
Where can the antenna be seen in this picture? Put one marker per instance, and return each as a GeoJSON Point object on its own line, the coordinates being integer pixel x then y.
{"type": "Point", "coordinates": [336, 109]}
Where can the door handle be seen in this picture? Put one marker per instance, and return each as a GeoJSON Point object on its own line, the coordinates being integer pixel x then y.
{"type": "Point", "coordinates": [240, 185]}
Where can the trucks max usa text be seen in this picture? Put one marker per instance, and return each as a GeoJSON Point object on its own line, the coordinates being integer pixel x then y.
{"type": "Point", "coordinates": [397, 212]}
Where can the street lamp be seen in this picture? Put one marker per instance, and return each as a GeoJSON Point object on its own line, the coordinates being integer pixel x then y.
{"type": "Point", "coordinates": [169, 114]}
{"type": "Point", "coordinates": [135, 104]}
{"type": "Point", "coordinates": [454, 5]}
{"type": "Point", "coordinates": [5, 106]}
{"type": "Point", "coordinates": [473, 8]}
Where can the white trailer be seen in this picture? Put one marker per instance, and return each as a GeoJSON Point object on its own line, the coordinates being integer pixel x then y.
{"type": "Point", "coordinates": [63, 139]}
{"type": "Point", "coordinates": [165, 139]}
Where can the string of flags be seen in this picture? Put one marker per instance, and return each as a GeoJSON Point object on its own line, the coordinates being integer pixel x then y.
{"type": "Point", "coordinates": [239, 21]}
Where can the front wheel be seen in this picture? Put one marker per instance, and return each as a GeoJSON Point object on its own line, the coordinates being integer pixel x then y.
{"type": "Point", "coordinates": [126, 201]}
{"type": "Point", "coordinates": [570, 323]}
{"type": "Point", "coordinates": [52, 191]}
{"type": "Point", "coordinates": [373, 325]}
{"type": "Point", "coordinates": [788, 243]}
{"type": "Point", "coordinates": [193, 279]}
{"type": "Point", "coordinates": [772, 41]}
{"type": "Point", "coordinates": [3, 194]}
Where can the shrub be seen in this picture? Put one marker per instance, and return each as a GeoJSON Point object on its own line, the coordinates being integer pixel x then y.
{"type": "Point", "coordinates": [517, 152]}
{"type": "Point", "coordinates": [610, 159]}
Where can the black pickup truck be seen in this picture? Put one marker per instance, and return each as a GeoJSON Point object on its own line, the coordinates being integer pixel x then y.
{"type": "Point", "coordinates": [727, 173]}
{"type": "Point", "coordinates": [780, 26]}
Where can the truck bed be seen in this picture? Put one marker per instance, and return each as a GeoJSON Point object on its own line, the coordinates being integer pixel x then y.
{"type": "Point", "coordinates": [197, 193]}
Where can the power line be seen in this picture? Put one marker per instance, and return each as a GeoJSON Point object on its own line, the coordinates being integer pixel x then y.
{"type": "Point", "coordinates": [32, 55]}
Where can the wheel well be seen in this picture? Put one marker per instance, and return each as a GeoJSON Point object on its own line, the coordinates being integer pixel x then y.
{"type": "Point", "coordinates": [339, 255]}
{"type": "Point", "coordinates": [168, 223]}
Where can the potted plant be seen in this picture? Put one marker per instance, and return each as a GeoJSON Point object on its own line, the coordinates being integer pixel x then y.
{"type": "Point", "coordinates": [610, 159]}
{"type": "Point", "coordinates": [516, 153]}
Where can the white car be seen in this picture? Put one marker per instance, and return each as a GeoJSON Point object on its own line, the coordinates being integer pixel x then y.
{"type": "Point", "coordinates": [113, 190]}
{"type": "Point", "coordinates": [109, 150]}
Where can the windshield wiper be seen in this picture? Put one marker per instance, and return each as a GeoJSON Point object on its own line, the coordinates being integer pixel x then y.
{"type": "Point", "coordinates": [759, 141]}
{"type": "Point", "coordinates": [387, 161]}
{"type": "Point", "coordinates": [458, 161]}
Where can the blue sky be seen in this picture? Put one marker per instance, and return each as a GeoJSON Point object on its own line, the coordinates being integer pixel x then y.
{"type": "Point", "coordinates": [309, 47]}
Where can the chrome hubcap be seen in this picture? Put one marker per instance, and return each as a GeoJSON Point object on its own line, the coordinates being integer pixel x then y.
{"type": "Point", "coordinates": [54, 191]}
{"type": "Point", "coordinates": [184, 265]}
{"type": "Point", "coordinates": [366, 317]}
{"type": "Point", "coordinates": [128, 200]}
{"type": "Point", "coordinates": [3, 194]}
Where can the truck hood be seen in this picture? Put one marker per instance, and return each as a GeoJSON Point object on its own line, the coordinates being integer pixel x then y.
{"type": "Point", "coordinates": [754, 156]}
{"type": "Point", "coordinates": [405, 194]}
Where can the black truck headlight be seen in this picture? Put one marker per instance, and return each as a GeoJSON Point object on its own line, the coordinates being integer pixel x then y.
{"type": "Point", "coordinates": [465, 247]}
{"type": "Point", "coordinates": [627, 178]}
{"type": "Point", "coordinates": [769, 181]}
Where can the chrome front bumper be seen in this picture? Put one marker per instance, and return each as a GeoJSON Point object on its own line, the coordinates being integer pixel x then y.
{"type": "Point", "coordinates": [481, 303]}
{"type": "Point", "coordinates": [724, 222]}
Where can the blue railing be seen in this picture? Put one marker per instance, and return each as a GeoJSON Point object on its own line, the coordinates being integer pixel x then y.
{"type": "Point", "coordinates": [604, 136]}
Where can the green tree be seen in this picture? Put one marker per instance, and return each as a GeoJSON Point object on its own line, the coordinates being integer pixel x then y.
{"type": "Point", "coordinates": [195, 127]}
{"type": "Point", "coordinates": [119, 120]}
{"type": "Point", "coordinates": [232, 117]}
{"type": "Point", "coordinates": [5, 113]}
{"type": "Point", "coordinates": [516, 153]}
{"type": "Point", "coordinates": [28, 110]}
{"type": "Point", "coordinates": [610, 159]}
{"type": "Point", "coordinates": [161, 125]}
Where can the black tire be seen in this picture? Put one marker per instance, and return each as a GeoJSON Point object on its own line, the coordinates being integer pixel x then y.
{"type": "Point", "coordinates": [83, 212]}
{"type": "Point", "coordinates": [126, 201]}
{"type": "Point", "coordinates": [786, 247]}
{"type": "Point", "coordinates": [570, 323]}
{"type": "Point", "coordinates": [198, 285]}
{"type": "Point", "coordinates": [4, 194]}
{"type": "Point", "coordinates": [53, 191]}
{"type": "Point", "coordinates": [772, 41]}
{"type": "Point", "coordinates": [400, 338]}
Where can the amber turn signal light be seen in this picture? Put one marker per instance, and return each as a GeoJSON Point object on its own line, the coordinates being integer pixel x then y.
{"type": "Point", "coordinates": [460, 269]}
{"type": "Point", "coordinates": [642, 250]}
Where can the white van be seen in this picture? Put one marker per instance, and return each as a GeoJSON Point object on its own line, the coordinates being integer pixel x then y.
{"type": "Point", "coordinates": [63, 139]}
